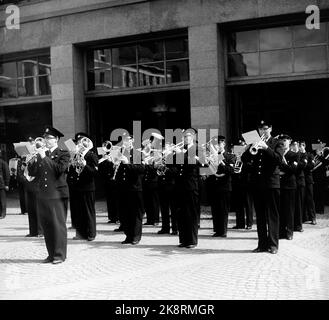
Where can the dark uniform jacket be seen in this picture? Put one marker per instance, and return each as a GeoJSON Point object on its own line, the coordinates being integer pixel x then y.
{"type": "Point", "coordinates": [4, 174]}
{"type": "Point", "coordinates": [222, 181]}
{"type": "Point", "coordinates": [86, 180]}
{"type": "Point", "coordinates": [150, 174]}
{"type": "Point", "coordinates": [263, 167]}
{"type": "Point", "coordinates": [308, 168]}
{"type": "Point", "coordinates": [300, 175]}
{"type": "Point", "coordinates": [50, 173]}
{"type": "Point", "coordinates": [106, 171]}
{"type": "Point", "coordinates": [288, 178]}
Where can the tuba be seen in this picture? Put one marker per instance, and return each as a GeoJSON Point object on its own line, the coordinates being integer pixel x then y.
{"type": "Point", "coordinates": [83, 146]}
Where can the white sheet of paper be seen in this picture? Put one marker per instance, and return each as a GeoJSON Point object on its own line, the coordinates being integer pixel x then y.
{"type": "Point", "coordinates": [251, 137]}
{"type": "Point", "coordinates": [70, 145]}
{"type": "Point", "coordinates": [100, 151]}
{"type": "Point", "coordinates": [238, 150]}
{"type": "Point", "coordinates": [318, 146]}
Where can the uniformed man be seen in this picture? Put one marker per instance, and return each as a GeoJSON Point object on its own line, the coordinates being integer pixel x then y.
{"type": "Point", "coordinates": [265, 184]}
{"type": "Point", "coordinates": [300, 191]}
{"type": "Point", "coordinates": [309, 206]}
{"type": "Point", "coordinates": [288, 186]}
{"type": "Point", "coordinates": [219, 186]}
{"type": "Point", "coordinates": [187, 191]}
{"type": "Point", "coordinates": [129, 181]}
{"type": "Point", "coordinates": [81, 182]}
{"type": "Point", "coordinates": [49, 170]}
{"type": "Point", "coordinates": [4, 186]}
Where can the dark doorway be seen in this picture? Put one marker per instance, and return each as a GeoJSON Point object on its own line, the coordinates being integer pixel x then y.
{"type": "Point", "coordinates": [154, 110]}
{"type": "Point", "coordinates": [298, 108]}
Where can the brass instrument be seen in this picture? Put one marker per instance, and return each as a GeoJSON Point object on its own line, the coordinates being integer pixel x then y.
{"type": "Point", "coordinates": [254, 147]}
{"type": "Point", "coordinates": [117, 161]}
{"type": "Point", "coordinates": [107, 147]}
{"type": "Point", "coordinates": [317, 161]}
{"type": "Point", "coordinates": [83, 146]}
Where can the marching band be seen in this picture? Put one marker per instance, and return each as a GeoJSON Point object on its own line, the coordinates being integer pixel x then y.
{"type": "Point", "coordinates": [274, 176]}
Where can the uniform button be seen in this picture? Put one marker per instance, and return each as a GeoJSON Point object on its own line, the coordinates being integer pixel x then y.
{"type": "Point", "coordinates": [45, 179]}
{"type": "Point", "coordinates": [259, 172]}
{"type": "Point", "coordinates": [124, 178]}
{"type": "Point", "coordinates": [46, 186]}
{"type": "Point", "coordinates": [180, 174]}
{"type": "Point", "coordinates": [77, 178]}
{"type": "Point", "coordinates": [259, 166]}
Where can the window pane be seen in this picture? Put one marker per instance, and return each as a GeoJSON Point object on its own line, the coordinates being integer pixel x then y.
{"type": "Point", "coordinates": [7, 87]}
{"type": "Point", "coordinates": [102, 58]}
{"type": "Point", "coordinates": [176, 48]}
{"type": "Point", "coordinates": [27, 87]}
{"type": "Point", "coordinates": [151, 74]}
{"type": "Point", "coordinates": [99, 79]}
{"type": "Point", "coordinates": [276, 38]}
{"type": "Point", "coordinates": [177, 71]}
{"type": "Point", "coordinates": [125, 77]}
{"type": "Point", "coordinates": [243, 41]}
{"type": "Point", "coordinates": [44, 85]}
{"type": "Point", "coordinates": [150, 51]}
{"type": "Point", "coordinates": [44, 65]}
{"type": "Point", "coordinates": [243, 64]}
{"type": "Point", "coordinates": [124, 55]}
{"type": "Point", "coordinates": [311, 59]}
{"type": "Point", "coordinates": [27, 68]}
{"type": "Point", "coordinates": [304, 36]}
{"type": "Point", "coordinates": [276, 62]}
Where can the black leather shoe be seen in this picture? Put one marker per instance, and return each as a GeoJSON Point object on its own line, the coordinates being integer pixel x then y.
{"type": "Point", "coordinates": [259, 250]}
{"type": "Point", "coordinates": [126, 241]}
{"type": "Point", "coordinates": [134, 242]}
{"type": "Point", "coordinates": [30, 235]}
{"type": "Point", "coordinates": [181, 245]}
{"type": "Point", "coordinates": [289, 238]}
{"type": "Point", "coordinates": [249, 227]}
{"type": "Point", "coordinates": [190, 246]}
{"type": "Point", "coordinates": [219, 235]}
{"type": "Point", "coordinates": [47, 260]}
{"type": "Point", "coordinates": [174, 233]}
{"type": "Point", "coordinates": [237, 227]}
{"type": "Point", "coordinates": [299, 230]}
{"type": "Point", "coordinates": [148, 224]}
{"type": "Point", "coordinates": [118, 229]}
{"type": "Point", "coordinates": [91, 238]}
{"type": "Point", "coordinates": [313, 222]}
{"type": "Point", "coordinates": [163, 232]}
{"type": "Point", "coordinates": [273, 250]}
{"type": "Point", "coordinates": [58, 261]}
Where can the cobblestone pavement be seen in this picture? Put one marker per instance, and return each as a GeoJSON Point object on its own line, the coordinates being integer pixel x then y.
{"type": "Point", "coordinates": [157, 269]}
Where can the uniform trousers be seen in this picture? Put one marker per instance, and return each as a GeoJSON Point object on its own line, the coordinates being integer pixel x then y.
{"type": "Point", "coordinates": [111, 194]}
{"type": "Point", "coordinates": [267, 204]}
{"type": "Point", "coordinates": [244, 208]}
{"type": "Point", "coordinates": [287, 210]}
{"type": "Point", "coordinates": [151, 202]}
{"type": "Point", "coordinates": [83, 205]}
{"type": "Point", "coordinates": [53, 222]}
{"type": "Point", "coordinates": [168, 207]}
{"type": "Point", "coordinates": [220, 206]}
{"type": "Point", "coordinates": [299, 208]}
{"type": "Point", "coordinates": [22, 198]}
{"type": "Point", "coordinates": [309, 207]}
{"type": "Point", "coordinates": [35, 227]}
{"type": "Point", "coordinates": [319, 196]}
{"type": "Point", "coordinates": [3, 203]}
{"type": "Point", "coordinates": [188, 216]}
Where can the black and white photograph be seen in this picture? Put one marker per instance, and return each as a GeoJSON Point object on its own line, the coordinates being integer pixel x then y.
{"type": "Point", "coordinates": [164, 155]}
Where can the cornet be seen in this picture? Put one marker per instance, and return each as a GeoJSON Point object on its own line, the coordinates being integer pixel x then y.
{"type": "Point", "coordinates": [254, 147]}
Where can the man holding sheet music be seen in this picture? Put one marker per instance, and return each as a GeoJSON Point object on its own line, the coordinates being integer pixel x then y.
{"type": "Point", "coordinates": [265, 182]}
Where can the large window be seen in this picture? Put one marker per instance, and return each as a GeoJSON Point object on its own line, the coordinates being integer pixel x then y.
{"type": "Point", "coordinates": [282, 50]}
{"type": "Point", "coordinates": [142, 64]}
{"type": "Point", "coordinates": [25, 77]}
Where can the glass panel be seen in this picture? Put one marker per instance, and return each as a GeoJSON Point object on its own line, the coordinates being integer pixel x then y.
{"type": "Point", "coordinates": [150, 51]}
{"type": "Point", "coordinates": [243, 64]}
{"type": "Point", "coordinates": [275, 38]}
{"type": "Point", "coordinates": [176, 48]}
{"type": "Point", "coordinates": [27, 87]}
{"type": "Point", "coordinates": [44, 65]}
{"type": "Point", "coordinates": [102, 58]}
{"type": "Point", "coordinates": [177, 71]}
{"type": "Point", "coordinates": [27, 68]}
{"type": "Point", "coordinates": [44, 85]}
{"type": "Point", "coordinates": [151, 74]}
{"type": "Point", "coordinates": [90, 59]}
{"type": "Point", "coordinates": [99, 79]}
{"type": "Point", "coordinates": [125, 77]}
{"type": "Point", "coordinates": [311, 59]}
{"type": "Point", "coordinates": [276, 62]}
{"type": "Point", "coordinates": [7, 88]}
{"type": "Point", "coordinates": [124, 55]}
{"type": "Point", "coordinates": [8, 70]}
{"type": "Point", "coordinates": [304, 36]}
{"type": "Point", "coordinates": [243, 41]}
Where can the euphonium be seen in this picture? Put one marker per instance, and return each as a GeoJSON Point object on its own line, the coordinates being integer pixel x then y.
{"type": "Point", "coordinates": [85, 144]}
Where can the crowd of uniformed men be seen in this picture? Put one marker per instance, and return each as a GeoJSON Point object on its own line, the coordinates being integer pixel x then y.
{"type": "Point", "coordinates": [277, 180]}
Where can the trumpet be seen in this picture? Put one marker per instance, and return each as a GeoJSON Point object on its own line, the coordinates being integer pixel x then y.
{"type": "Point", "coordinates": [254, 147]}
{"type": "Point", "coordinates": [317, 160]}
{"type": "Point", "coordinates": [107, 147]}
{"type": "Point", "coordinates": [83, 146]}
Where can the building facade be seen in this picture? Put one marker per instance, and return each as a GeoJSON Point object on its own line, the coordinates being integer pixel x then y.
{"type": "Point", "coordinates": [96, 65]}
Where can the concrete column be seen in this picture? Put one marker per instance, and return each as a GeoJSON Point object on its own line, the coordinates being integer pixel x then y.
{"type": "Point", "coordinates": [207, 78]}
{"type": "Point", "coordinates": [68, 102]}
